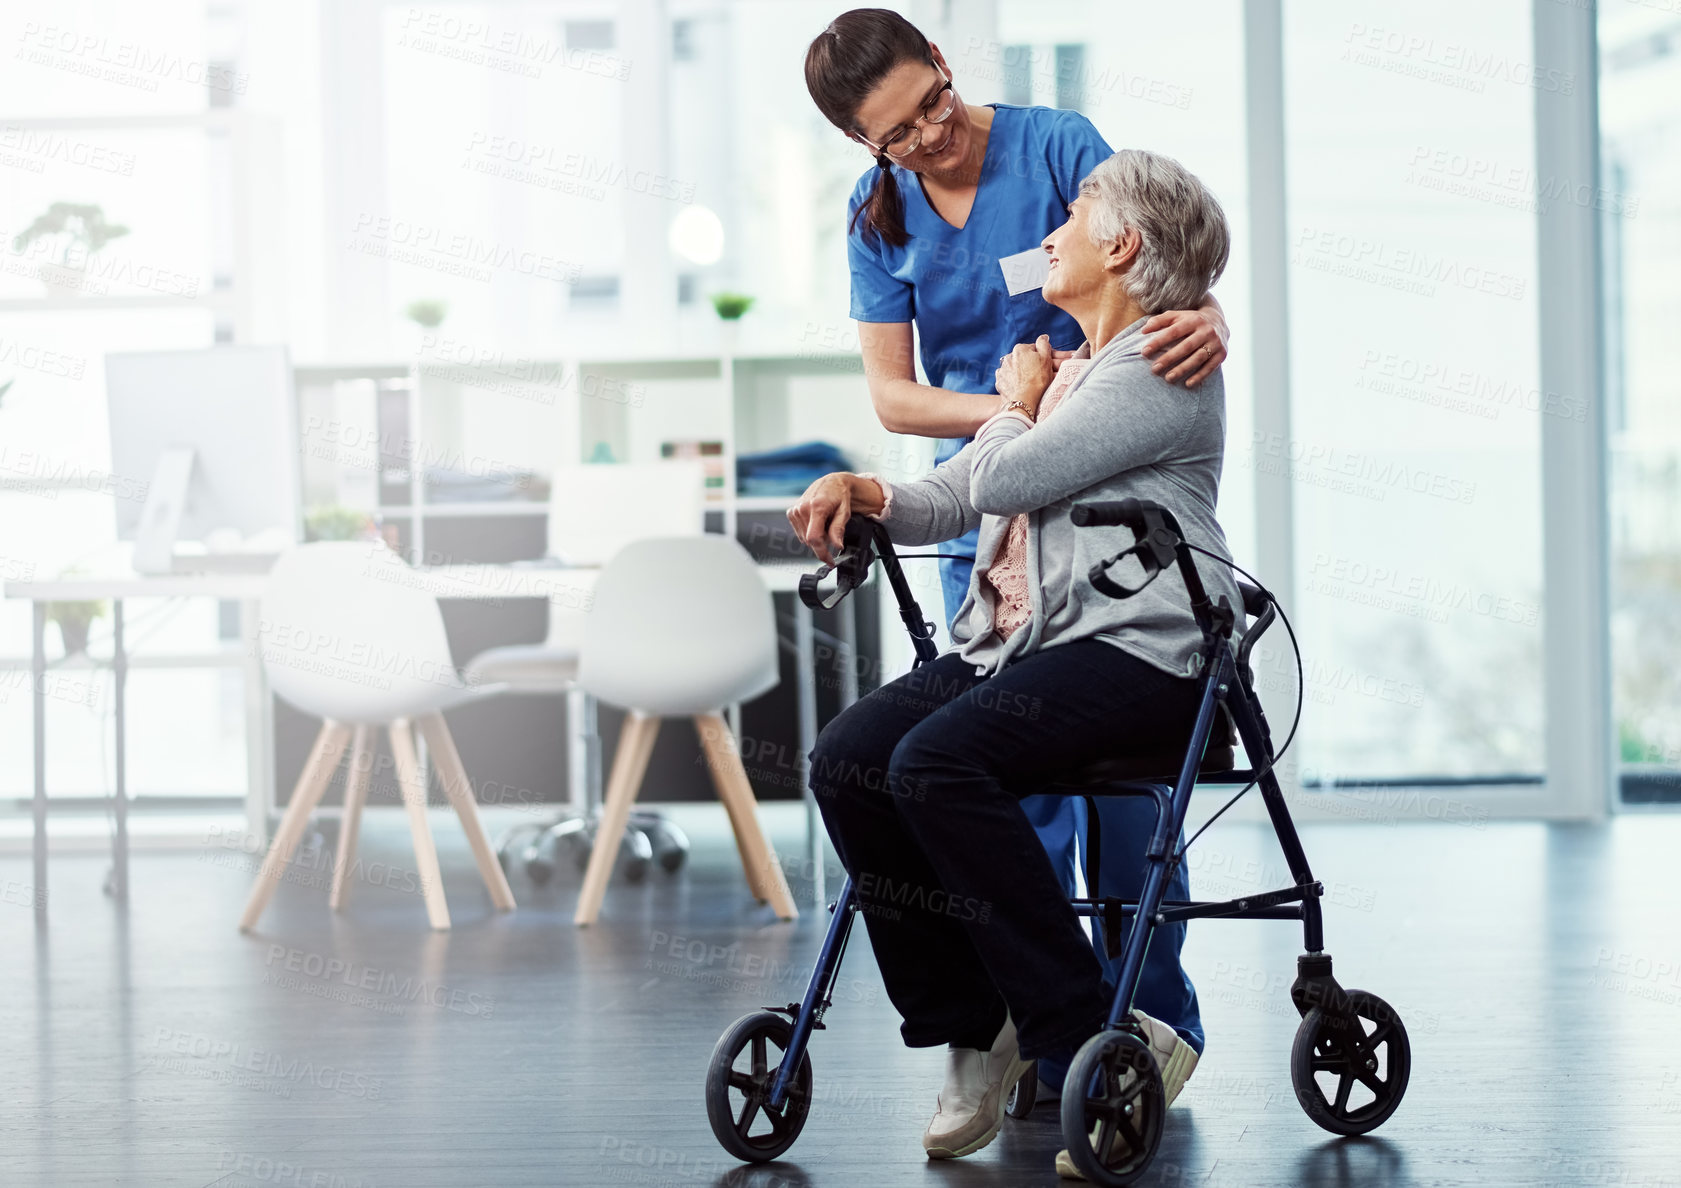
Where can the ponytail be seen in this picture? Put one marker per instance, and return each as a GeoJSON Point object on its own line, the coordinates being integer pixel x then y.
{"type": "Point", "coordinates": [843, 65]}
{"type": "Point", "coordinates": [883, 211]}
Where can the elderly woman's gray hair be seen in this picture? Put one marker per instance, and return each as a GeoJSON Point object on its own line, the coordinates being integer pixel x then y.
{"type": "Point", "coordinates": [1184, 234]}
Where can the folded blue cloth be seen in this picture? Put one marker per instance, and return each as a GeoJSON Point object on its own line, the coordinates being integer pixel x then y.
{"type": "Point", "coordinates": [788, 470]}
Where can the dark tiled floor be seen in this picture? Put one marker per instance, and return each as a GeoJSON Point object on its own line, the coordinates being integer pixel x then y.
{"type": "Point", "coordinates": [1538, 969]}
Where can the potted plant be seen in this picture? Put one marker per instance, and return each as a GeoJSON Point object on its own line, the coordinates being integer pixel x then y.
{"type": "Point", "coordinates": [427, 313]}
{"type": "Point", "coordinates": [731, 306]}
{"type": "Point", "coordinates": [67, 226]}
{"type": "Point", "coordinates": [74, 619]}
{"type": "Point", "coordinates": [333, 522]}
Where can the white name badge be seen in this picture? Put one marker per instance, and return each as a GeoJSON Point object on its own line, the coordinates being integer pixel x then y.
{"type": "Point", "coordinates": [1025, 270]}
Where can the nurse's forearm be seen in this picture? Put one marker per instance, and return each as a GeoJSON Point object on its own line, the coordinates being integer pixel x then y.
{"type": "Point", "coordinates": [902, 404]}
{"type": "Point", "coordinates": [905, 406]}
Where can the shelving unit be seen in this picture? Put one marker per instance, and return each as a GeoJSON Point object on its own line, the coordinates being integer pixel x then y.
{"type": "Point", "coordinates": [597, 400]}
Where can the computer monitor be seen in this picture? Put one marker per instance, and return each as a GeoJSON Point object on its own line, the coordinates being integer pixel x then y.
{"type": "Point", "coordinates": [596, 509]}
{"type": "Point", "coordinates": [213, 436]}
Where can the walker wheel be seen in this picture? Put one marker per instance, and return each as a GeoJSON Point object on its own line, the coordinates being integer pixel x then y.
{"type": "Point", "coordinates": [1113, 1108]}
{"type": "Point", "coordinates": [738, 1081]}
{"type": "Point", "coordinates": [1350, 1066]}
{"type": "Point", "coordinates": [1024, 1093]}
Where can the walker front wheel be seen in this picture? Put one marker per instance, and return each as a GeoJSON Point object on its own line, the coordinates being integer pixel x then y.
{"type": "Point", "coordinates": [1113, 1108]}
{"type": "Point", "coordinates": [1350, 1066]}
{"type": "Point", "coordinates": [738, 1085]}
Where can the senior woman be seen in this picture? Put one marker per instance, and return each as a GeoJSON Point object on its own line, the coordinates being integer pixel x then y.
{"type": "Point", "coordinates": [919, 782]}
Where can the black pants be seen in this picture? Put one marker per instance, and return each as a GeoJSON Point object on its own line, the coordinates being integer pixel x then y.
{"type": "Point", "coordinates": [918, 784]}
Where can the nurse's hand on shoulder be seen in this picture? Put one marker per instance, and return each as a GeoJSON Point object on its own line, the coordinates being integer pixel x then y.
{"type": "Point", "coordinates": [1188, 344]}
{"type": "Point", "coordinates": [1026, 372]}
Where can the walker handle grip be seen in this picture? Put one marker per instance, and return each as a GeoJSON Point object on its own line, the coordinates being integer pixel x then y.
{"type": "Point", "coordinates": [1125, 512]}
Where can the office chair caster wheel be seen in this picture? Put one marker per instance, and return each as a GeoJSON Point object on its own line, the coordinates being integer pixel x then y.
{"type": "Point", "coordinates": [736, 1089]}
{"type": "Point", "coordinates": [312, 847]}
{"type": "Point", "coordinates": [1113, 1108]}
{"type": "Point", "coordinates": [636, 853]}
{"type": "Point", "coordinates": [1365, 1057]}
{"type": "Point", "coordinates": [1024, 1093]}
{"type": "Point", "coordinates": [539, 858]}
{"type": "Point", "coordinates": [670, 844]}
{"type": "Point", "coordinates": [581, 844]}
{"type": "Point", "coordinates": [517, 840]}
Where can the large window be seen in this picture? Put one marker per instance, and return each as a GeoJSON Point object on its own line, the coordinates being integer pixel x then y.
{"type": "Point", "coordinates": [111, 123]}
{"type": "Point", "coordinates": [506, 178]}
{"type": "Point", "coordinates": [1640, 201]}
{"type": "Point", "coordinates": [1414, 447]}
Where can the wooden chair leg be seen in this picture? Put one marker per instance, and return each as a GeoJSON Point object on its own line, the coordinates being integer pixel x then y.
{"type": "Point", "coordinates": [453, 774]}
{"type": "Point", "coordinates": [730, 778]}
{"type": "Point", "coordinates": [350, 824]}
{"type": "Point", "coordinates": [630, 764]}
{"type": "Point", "coordinates": [414, 800]}
{"type": "Point", "coordinates": [718, 733]}
{"type": "Point", "coordinates": [312, 782]}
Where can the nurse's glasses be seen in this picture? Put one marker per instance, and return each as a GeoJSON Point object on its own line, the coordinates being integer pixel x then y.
{"type": "Point", "coordinates": [937, 111]}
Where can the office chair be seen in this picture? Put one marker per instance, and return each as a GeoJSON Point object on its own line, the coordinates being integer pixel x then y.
{"type": "Point", "coordinates": [594, 511]}
{"type": "Point", "coordinates": [681, 627]}
{"type": "Point", "coordinates": [347, 638]}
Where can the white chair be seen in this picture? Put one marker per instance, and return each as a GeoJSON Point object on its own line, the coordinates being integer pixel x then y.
{"type": "Point", "coordinates": [594, 511]}
{"type": "Point", "coordinates": [348, 637]}
{"type": "Point", "coordinates": [681, 626]}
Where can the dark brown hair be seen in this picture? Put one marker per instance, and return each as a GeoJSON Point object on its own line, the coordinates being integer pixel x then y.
{"type": "Point", "coordinates": [843, 65]}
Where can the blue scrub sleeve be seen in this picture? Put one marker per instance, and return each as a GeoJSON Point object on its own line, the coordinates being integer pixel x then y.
{"type": "Point", "coordinates": [1073, 150]}
{"type": "Point", "coordinates": [877, 295]}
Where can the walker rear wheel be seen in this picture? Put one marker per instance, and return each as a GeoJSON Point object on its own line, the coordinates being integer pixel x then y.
{"type": "Point", "coordinates": [1350, 1067]}
{"type": "Point", "coordinates": [738, 1083]}
{"type": "Point", "coordinates": [1113, 1108]}
{"type": "Point", "coordinates": [1024, 1093]}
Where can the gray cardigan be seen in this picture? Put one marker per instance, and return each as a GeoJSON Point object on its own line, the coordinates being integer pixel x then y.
{"type": "Point", "coordinates": [1119, 431]}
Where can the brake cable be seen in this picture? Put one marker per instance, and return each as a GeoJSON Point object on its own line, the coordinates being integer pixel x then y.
{"type": "Point", "coordinates": [1301, 690]}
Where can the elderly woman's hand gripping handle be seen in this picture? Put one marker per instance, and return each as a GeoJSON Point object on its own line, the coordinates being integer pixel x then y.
{"type": "Point", "coordinates": [820, 517]}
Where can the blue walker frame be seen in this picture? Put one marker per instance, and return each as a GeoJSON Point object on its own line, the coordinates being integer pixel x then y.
{"type": "Point", "coordinates": [1333, 1037]}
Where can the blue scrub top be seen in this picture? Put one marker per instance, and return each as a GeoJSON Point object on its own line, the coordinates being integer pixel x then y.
{"type": "Point", "coordinates": [948, 281]}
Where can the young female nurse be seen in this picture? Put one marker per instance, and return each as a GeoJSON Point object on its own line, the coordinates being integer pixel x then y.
{"type": "Point", "coordinates": [943, 234]}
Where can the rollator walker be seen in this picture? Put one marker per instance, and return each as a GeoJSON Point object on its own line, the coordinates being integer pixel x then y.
{"type": "Point", "coordinates": [1351, 1057]}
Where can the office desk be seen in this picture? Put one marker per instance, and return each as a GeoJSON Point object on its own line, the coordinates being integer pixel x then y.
{"type": "Point", "coordinates": [565, 589]}
{"type": "Point", "coordinates": [243, 588]}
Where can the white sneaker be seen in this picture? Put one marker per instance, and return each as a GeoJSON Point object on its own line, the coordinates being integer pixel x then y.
{"type": "Point", "coordinates": [1176, 1061]}
{"type": "Point", "coordinates": [970, 1108]}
